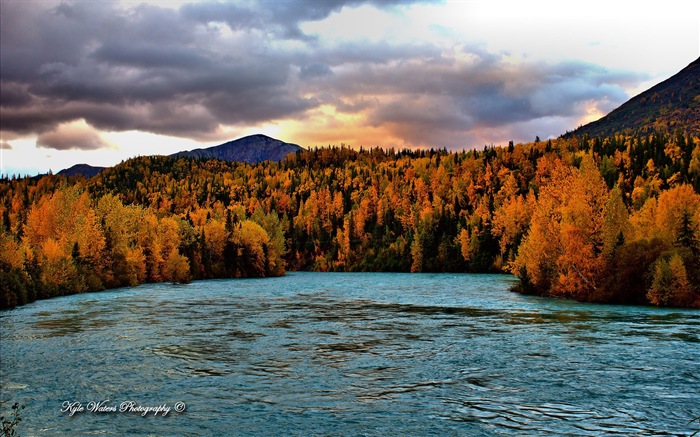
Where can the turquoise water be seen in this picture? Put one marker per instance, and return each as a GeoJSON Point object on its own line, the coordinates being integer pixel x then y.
{"type": "Point", "coordinates": [349, 354]}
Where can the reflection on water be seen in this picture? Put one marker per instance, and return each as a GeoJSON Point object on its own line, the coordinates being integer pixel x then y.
{"type": "Point", "coordinates": [352, 354]}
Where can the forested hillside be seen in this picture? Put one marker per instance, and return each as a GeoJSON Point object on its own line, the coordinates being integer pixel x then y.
{"type": "Point", "coordinates": [605, 219]}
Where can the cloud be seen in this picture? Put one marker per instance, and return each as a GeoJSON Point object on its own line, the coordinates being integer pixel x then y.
{"type": "Point", "coordinates": [279, 18]}
{"type": "Point", "coordinates": [197, 71]}
{"type": "Point", "coordinates": [315, 70]}
{"type": "Point", "coordinates": [425, 102]}
{"type": "Point", "coordinates": [78, 136]}
{"type": "Point", "coordinates": [14, 95]}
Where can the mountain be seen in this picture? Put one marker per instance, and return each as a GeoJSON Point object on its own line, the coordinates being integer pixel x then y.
{"type": "Point", "coordinates": [251, 149]}
{"type": "Point", "coordinates": [81, 169]}
{"type": "Point", "coordinates": [670, 105]}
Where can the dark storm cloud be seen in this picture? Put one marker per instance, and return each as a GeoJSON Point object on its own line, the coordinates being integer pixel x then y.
{"type": "Point", "coordinates": [177, 72]}
{"type": "Point", "coordinates": [315, 70]}
{"type": "Point", "coordinates": [15, 95]}
{"type": "Point", "coordinates": [149, 55]}
{"type": "Point", "coordinates": [144, 68]}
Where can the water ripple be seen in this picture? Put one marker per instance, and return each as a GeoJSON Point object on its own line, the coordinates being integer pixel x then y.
{"type": "Point", "coordinates": [353, 354]}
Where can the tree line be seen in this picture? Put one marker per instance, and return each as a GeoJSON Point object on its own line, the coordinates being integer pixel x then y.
{"type": "Point", "coordinates": [611, 219]}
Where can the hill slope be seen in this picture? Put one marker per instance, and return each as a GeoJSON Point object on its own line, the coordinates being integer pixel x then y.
{"type": "Point", "coordinates": [670, 105]}
{"type": "Point", "coordinates": [251, 149]}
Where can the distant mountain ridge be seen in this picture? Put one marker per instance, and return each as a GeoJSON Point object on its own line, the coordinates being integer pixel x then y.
{"type": "Point", "coordinates": [670, 105]}
{"type": "Point", "coordinates": [251, 149]}
{"type": "Point", "coordinates": [82, 169]}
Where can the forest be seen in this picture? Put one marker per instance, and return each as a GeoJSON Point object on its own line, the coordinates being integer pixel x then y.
{"type": "Point", "coordinates": [607, 219]}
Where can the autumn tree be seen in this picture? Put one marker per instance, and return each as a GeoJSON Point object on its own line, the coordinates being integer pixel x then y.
{"type": "Point", "coordinates": [562, 251]}
{"type": "Point", "coordinates": [251, 244]}
{"type": "Point", "coordinates": [121, 225]}
{"type": "Point", "coordinates": [588, 218]}
{"type": "Point", "coordinates": [670, 285]}
{"type": "Point", "coordinates": [64, 236]}
{"type": "Point", "coordinates": [616, 228]}
{"type": "Point", "coordinates": [176, 268]}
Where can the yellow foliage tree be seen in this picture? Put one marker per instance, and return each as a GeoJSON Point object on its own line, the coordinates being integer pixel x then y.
{"type": "Point", "coordinates": [177, 268]}
{"type": "Point", "coordinates": [670, 285]}
{"type": "Point", "coordinates": [64, 233]}
{"type": "Point", "coordinates": [562, 252]}
{"type": "Point", "coordinates": [616, 224]}
{"type": "Point", "coordinates": [252, 241]}
{"type": "Point", "coordinates": [661, 218]}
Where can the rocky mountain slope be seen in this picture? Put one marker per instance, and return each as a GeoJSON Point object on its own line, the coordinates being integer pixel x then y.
{"type": "Point", "coordinates": [670, 105]}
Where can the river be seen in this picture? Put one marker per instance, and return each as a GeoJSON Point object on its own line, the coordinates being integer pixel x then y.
{"type": "Point", "coordinates": [348, 354]}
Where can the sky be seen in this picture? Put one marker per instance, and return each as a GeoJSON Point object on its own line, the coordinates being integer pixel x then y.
{"type": "Point", "coordinates": [101, 81]}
